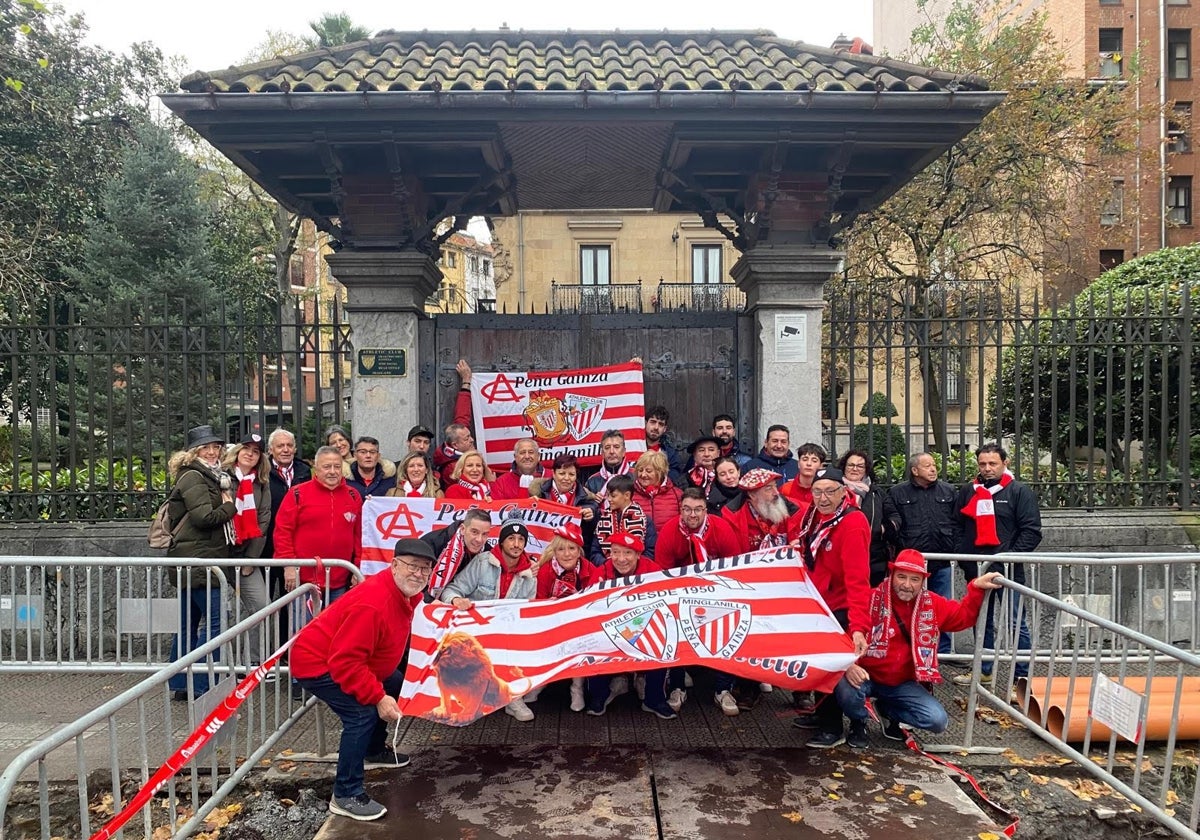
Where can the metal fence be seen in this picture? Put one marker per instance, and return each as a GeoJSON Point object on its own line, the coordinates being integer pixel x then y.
{"type": "Point", "coordinates": [604, 299]}
{"type": "Point", "coordinates": [92, 406]}
{"type": "Point", "coordinates": [1097, 398]}
{"type": "Point", "coordinates": [698, 297]}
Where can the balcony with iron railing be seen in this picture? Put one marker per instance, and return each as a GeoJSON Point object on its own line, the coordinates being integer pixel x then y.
{"type": "Point", "coordinates": [607, 299]}
{"type": "Point", "coordinates": [698, 297]}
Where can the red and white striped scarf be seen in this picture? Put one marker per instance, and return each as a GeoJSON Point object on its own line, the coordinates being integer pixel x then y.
{"type": "Point", "coordinates": [245, 521]}
{"type": "Point", "coordinates": [702, 478]}
{"type": "Point", "coordinates": [447, 563]}
{"type": "Point", "coordinates": [414, 492]}
{"type": "Point", "coordinates": [924, 626]}
{"type": "Point", "coordinates": [604, 473]}
{"type": "Point", "coordinates": [565, 583]}
{"type": "Point", "coordinates": [561, 498]}
{"type": "Point", "coordinates": [481, 492]}
{"type": "Point", "coordinates": [982, 508]}
{"type": "Point", "coordinates": [699, 551]}
{"type": "Point", "coordinates": [813, 533]}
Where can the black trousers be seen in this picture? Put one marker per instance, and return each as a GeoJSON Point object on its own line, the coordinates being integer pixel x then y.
{"type": "Point", "coordinates": [828, 713]}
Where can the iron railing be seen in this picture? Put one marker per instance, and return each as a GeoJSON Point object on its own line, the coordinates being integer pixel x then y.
{"type": "Point", "coordinates": [578, 299]}
{"type": "Point", "coordinates": [92, 407]}
{"type": "Point", "coordinates": [698, 297]}
{"type": "Point", "coordinates": [1095, 398]}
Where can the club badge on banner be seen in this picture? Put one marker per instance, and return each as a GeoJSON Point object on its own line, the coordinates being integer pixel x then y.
{"type": "Point", "coordinates": [564, 411]}
{"type": "Point", "coordinates": [756, 615]}
{"type": "Point", "coordinates": [386, 519]}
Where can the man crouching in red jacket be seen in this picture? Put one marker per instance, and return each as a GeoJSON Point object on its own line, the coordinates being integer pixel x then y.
{"type": "Point", "coordinates": [349, 657]}
{"type": "Point", "coordinates": [901, 657]}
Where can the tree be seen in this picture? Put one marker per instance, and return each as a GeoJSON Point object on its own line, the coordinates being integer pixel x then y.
{"type": "Point", "coordinates": [1002, 203]}
{"type": "Point", "coordinates": [333, 30]}
{"type": "Point", "coordinates": [1115, 351]}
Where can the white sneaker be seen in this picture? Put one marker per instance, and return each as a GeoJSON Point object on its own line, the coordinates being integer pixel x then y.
{"type": "Point", "coordinates": [519, 710]}
{"type": "Point", "coordinates": [618, 686]}
{"type": "Point", "coordinates": [687, 680]}
{"type": "Point", "coordinates": [577, 703]}
{"type": "Point", "coordinates": [726, 703]}
{"type": "Point", "coordinates": [639, 685]}
{"type": "Point", "coordinates": [767, 688]}
{"type": "Point", "coordinates": [677, 699]}
{"type": "Point", "coordinates": [532, 695]}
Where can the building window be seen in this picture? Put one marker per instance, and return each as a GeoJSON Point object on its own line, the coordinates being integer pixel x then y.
{"type": "Point", "coordinates": [954, 375]}
{"type": "Point", "coordinates": [1110, 53]}
{"type": "Point", "coordinates": [1110, 2]}
{"type": "Point", "coordinates": [1179, 199]}
{"type": "Point", "coordinates": [1113, 210]}
{"type": "Point", "coordinates": [1111, 258]}
{"type": "Point", "coordinates": [595, 265]}
{"type": "Point", "coordinates": [1178, 141]}
{"type": "Point", "coordinates": [451, 259]}
{"type": "Point", "coordinates": [706, 264]}
{"type": "Point", "coordinates": [1179, 53]}
{"type": "Point", "coordinates": [1178, 2]}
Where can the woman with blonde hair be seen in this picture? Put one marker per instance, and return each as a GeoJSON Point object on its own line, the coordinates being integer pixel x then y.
{"type": "Point", "coordinates": [562, 572]}
{"type": "Point", "coordinates": [653, 491]}
{"type": "Point", "coordinates": [251, 476]}
{"type": "Point", "coordinates": [472, 478]}
{"type": "Point", "coordinates": [416, 479]}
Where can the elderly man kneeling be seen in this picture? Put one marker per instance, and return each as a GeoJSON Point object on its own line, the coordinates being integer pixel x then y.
{"type": "Point", "coordinates": [349, 657]}
{"type": "Point", "coordinates": [901, 657]}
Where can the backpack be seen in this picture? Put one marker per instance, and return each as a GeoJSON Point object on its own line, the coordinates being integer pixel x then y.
{"type": "Point", "coordinates": [161, 534]}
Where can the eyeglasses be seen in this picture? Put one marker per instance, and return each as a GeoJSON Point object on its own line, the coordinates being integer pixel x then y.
{"type": "Point", "coordinates": [414, 568]}
{"type": "Point", "coordinates": [850, 465]}
{"type": "Point", "coordinates": [825, 494]}
{"type": "Point", "coordinates": [366, 451]}
{"type": "Point", "coordinates": [693, 510]}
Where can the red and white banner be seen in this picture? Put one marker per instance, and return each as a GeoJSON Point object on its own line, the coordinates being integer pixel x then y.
{"type": "Point", "coordinates": [756, 615]}
{"type": "Point", "coordinates": [564, 411]}
{"type": "Point", "coordinates": [386, 519]}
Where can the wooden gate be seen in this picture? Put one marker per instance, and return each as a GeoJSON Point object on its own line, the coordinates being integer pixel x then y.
{"type": "Point", "coordinates": [696, 364]}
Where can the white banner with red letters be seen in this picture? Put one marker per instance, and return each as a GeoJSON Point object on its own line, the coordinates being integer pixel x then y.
{"type": "Point", "coordinates": [386, 519]}
{"type": "Point", "coordinates": [756, 615]}
{"type": "Point", "coordinates": [564, 411]}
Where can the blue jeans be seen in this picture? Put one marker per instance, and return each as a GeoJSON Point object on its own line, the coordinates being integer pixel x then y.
{"type": "Point", "coordinates": [364, 733]}
{"type": "Point", "coordinates": [199, 620]}
{"type": "Point", "coordinates": [1016, 619]}
{"type": "Point", "coordinates": [656, 686]}
{"type": "Point", "coordinates": [941, 582]}
{"type": "Point", "coordinates": [910, 703]}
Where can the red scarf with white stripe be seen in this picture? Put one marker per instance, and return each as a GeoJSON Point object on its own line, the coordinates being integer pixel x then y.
{"type": "Point", "coordinates": [813, 533]}
{"type": "Point", "coordinates": [925, 661]}
{"type": "Point", "coordinates": [982, 508]}
{"type": "Point", "coordinates": [565, 583]}
{"type": "Point", "coordinates": [245, 521]}
{"type": "Point", "coordinates": [702, 478]}
{"type": "Point", "coordinates": [604, 473]}
{"type": "Point", "coordinates": [481, 492]}
{"type": "Point", "coordinates": [447, 564]}
{"type": "Point", "coordinates": [561, 498]}
{"type": "Point", "coordinates": [698, 549]}
{"type": "Point", "coordinates": [414, 492]}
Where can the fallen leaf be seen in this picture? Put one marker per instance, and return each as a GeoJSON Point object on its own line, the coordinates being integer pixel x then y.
{"type": "Point", "coordinates": [163, 832]}
{"type": "Point", "coordinates": [287, 803]}
{"type": "Point", "coordinates": [1172, 798]}
{"type": "Point", "coordinates": [287, 752]}
{"type": "Point", "coordinates": [104, 805]}
{"type": "Point", "coordinates": [916, 796]}
{"type": "Point", "coordinates": [286, 766]}
{"type": "Point", "coordinates": [988, 835]}
{"type": "Point", "coordinates": [793, 816]}
{"type": "Point", "coordinates": [834, 797]}
{"type": "Point", "coordinates": [881, 799]}
{"type": "Point", "coordinates": [1025, 794]}
{"type": "Point", "coordinates": [838, 775]}
{"type": "Point", "coordinates": [221, 817]}
{"type": "Point", "coordinates": [1041, 780]}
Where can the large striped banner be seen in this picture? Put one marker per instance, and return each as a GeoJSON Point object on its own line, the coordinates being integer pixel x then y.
{"type": "Point", "coordinates": [756, 615]}
{"type": "Point", "coordinates": [386, 519]}
{"type": "Point", "coordinates": [564, 411]}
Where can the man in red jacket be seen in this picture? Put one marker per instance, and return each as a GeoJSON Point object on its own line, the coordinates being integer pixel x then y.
{"type": "Point", "coordinates": [349, 657]}
{"type": "Point", "coordinates": [901, 657]}
{"type": "Point", "coordinates": [320, 518]}
{"type": "Point", "coordinates": [526, 468]}
{"type": "Point", "coordinates": [694, 536]}
{"type": "Point", "coordinates": [760, 517]}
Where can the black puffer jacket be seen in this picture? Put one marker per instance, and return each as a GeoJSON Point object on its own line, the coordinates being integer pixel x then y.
{"type": "Point", "coordinates": [923, 518]}
{"type": "Point", "coordinates": [196, 499]}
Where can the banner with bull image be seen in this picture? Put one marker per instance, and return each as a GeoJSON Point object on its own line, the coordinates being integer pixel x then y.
{"type": "Point", "coordinates": [755, 615]}
{"type": "Point", "coordinates": [386, 519]}
{"type": "Point", "coordinates": [564, 411]}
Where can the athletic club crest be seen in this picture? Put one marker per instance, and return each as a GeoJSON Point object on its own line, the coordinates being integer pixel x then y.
{"type": "Point", "coordinates": [546, 416]}
{"type": "Point", "coordinates": [714, 628]}
{"type": "Point", "coordinates": [647, 632]}
{"type": "Point", "coordinates": [583, 414]}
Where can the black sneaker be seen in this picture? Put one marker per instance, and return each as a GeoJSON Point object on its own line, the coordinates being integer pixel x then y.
{"type": "Point", "coordinates": [662, 710]}
{"type": "Point", "coordinates": [385, 758]}
{"type": "Point", "coordinates": [826, 740]}
{"type": "Point", "coordinates": [857, 736]}
{"type": "Point", "coordinates": [894, 731]}
{"type": "Point", "coordinates": [803, 701]}
{"type": "Point", "coordinates": [596, 706]}
{"type": "Point", "coordinates": [809, 721]}
{"type": "Point", "coordinates": [361, 807]}
{"type": "Point", "coordinates": [747, 695]}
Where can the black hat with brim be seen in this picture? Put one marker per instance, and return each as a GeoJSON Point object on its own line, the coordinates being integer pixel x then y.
{"type": "Point", "coordinates": [202, 435]}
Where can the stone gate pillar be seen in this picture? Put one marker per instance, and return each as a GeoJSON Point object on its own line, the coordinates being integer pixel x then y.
{"type": "Point", "coordinates": [784, 286]}
{"type": "Point", "coordinates": [386, 292]}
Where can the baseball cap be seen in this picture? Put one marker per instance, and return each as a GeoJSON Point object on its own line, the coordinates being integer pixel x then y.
{"type": "Point", "coordinates": [420, 431]}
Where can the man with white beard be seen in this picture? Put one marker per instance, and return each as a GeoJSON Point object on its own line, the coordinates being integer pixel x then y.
{"type": "Point", "coordinates": [762, 518]}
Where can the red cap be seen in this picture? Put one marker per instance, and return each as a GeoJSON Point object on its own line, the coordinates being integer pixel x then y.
{"type": "Point", "coordinates": [627, 540]}
{"type": "Point", "coordinates": [910, 560]}
{"type": "Point", "coordinates": [570, 532]}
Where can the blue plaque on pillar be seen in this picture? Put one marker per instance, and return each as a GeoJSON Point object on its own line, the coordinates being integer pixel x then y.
{"type": "Point", "coordinates": [382, 362]}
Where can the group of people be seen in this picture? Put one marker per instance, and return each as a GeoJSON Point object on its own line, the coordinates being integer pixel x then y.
{"type": "Point", "coordinates": [863, 548]}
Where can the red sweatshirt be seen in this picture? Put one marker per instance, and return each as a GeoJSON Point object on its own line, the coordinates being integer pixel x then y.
{"type": "Point", "coordinates": [609, 572]}
{"type": "Point", "coordinates": [843, 570]}
{"type": "Point", "coordinates": [314, 521]}
{"type": "Point", "coordinates": [950, 616]}
{"type": "Point", "coordinates": [359, 639]}
{"type": "Point", "coordinates": [673, 549]}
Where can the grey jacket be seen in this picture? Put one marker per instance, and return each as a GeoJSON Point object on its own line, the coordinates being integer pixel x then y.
{"type": "Point", "coordinates": [481, 578]}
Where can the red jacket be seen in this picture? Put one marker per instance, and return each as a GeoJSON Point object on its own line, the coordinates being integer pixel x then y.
{"type": "Point", "coordinates": [584, 577]}
{"type": "Point", "coordinates": [802, 496]}
{"type": "Point", "coordinates": [359, 639]}
{"type": "Point", "coordinates": [662, 505]}
{"type": "Point", "coordinates": [508, 485]}
{"type": "Point", "coordinates": [749, 529]}
{"type": "Point", "coordinates": [673, 549]}
{"type": "Point", "coordinates": [442, 461]}
{"type": "Point", "coordinates": [314, 521]}
{"type": "Point", "coordinates": [608, 572]}
{"type": "Point", "coordinates": [949, 616]}
{"type": "Point", "coordinates": [843, 569]}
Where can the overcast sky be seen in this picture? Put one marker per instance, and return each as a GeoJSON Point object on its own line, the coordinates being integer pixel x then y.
{"type": "Point", "coordinates": [217, 33]}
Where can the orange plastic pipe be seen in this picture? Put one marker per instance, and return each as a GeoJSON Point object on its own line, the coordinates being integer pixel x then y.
{"type": "Point", "coordinates": [1160, 710]}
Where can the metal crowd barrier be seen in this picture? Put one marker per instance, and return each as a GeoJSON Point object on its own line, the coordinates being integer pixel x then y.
{"type": "Point", "coordinates": [1150, 686]}
{"type": "Point", "coordinates": [118, 614]}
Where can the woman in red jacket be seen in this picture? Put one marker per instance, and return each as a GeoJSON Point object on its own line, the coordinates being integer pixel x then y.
{"type": "Point", "coordinates": [653, 491]}
{"type": "Point", "coordinates": [560, 573]}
